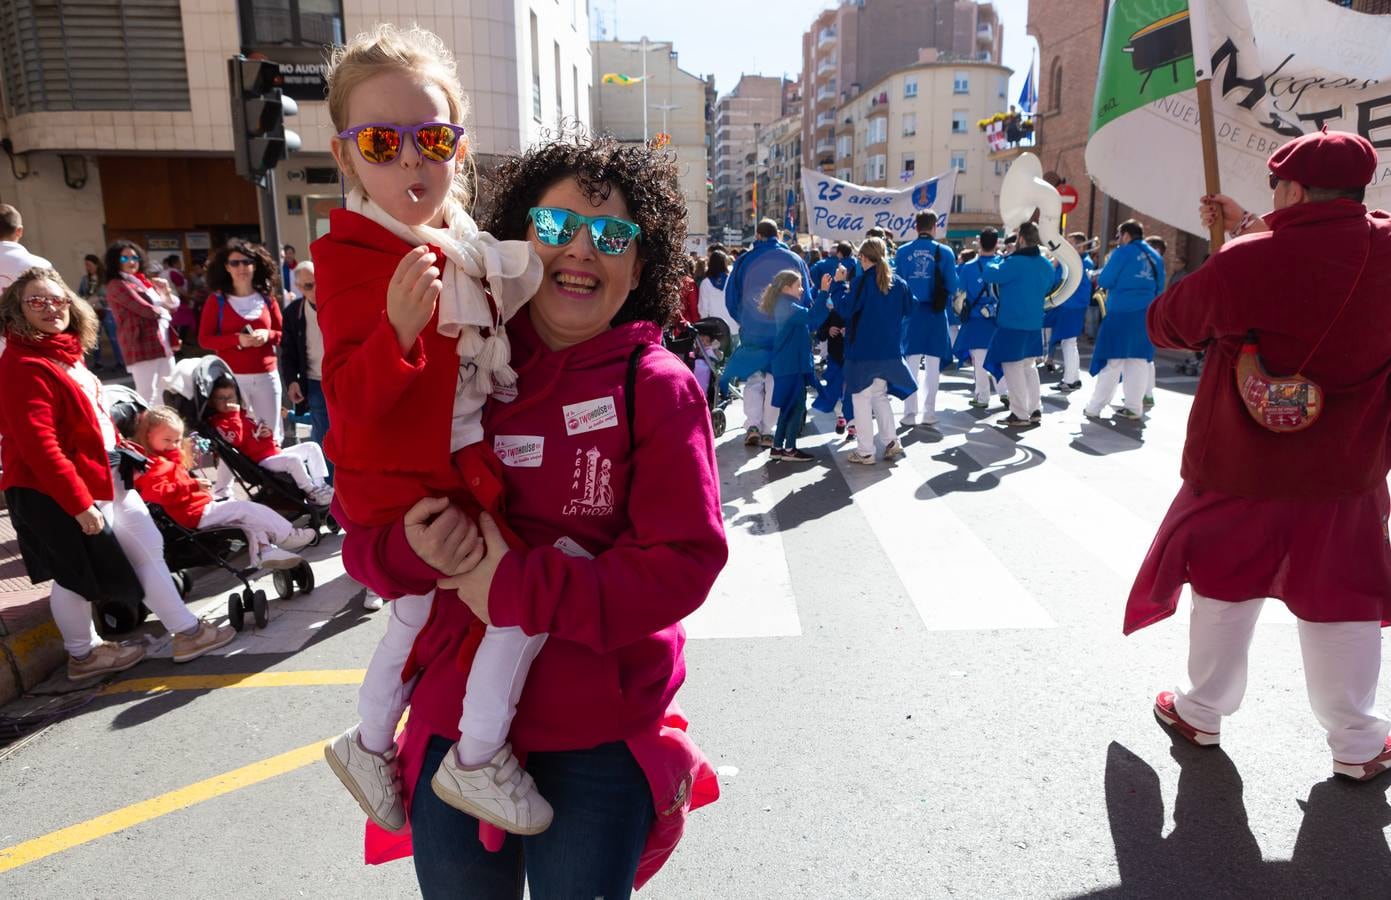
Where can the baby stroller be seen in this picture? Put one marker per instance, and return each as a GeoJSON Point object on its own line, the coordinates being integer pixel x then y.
{"type": "Point", "coordinates": [185, 549]}
{"type": "Point", "coordinates": [189, 391]}
{"type": "Point", "coordinates": [684, 339]}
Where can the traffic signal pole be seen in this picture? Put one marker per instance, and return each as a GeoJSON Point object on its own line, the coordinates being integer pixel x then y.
{"type": "Point", "coordinates": [270, 225]}
{"type": "Point", "coordinates": [260, 138]}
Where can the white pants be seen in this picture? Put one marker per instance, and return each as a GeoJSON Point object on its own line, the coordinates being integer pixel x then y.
{"type": "Point", "coordinates": [871, 406]}
{"type": "Point", "coordinates": [144, 548]}
{"type": "Point", "coordinates": [263, 524]}
{"type": "Point", "coordinates": [702, 376]}
{"type": "Point", "coordinates": [495, 682]}
{"type": "Point", "coordinates": [1149, 392]}
{"type": "Point", "coordinates": [1072, 360]}
{"type": "Point", "coordinates": [926, 381]}
{"type": "Point", "coordinates": [1342, 662]}
{"type": "Point", "coordinates": [303, 462]}
{"type": "Point", "coordinates": [261, 394]}
{"type": "Point", "coordinates": [148, 377]}
{"type": "Point", "coordinates": [1136, 378]}
{"type": "Point", "coordinates": [759, 410]}
{"type": "Point", "coordinates": [1025, 390]}
{"type": "Point", "coordinates": [982, 376]}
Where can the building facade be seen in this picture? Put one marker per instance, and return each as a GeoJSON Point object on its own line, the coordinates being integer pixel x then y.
{"type": "Point", "coordinates": [740, 116]}
{"type": "Point", "coordinates": [857, 43]}
{"type": "Point", "coordinates": [920, 121]}
{"type": "Point", "coordinates": [676, 107]}
{"type": "Point", "coordinates": [779, 171]}
{"type": "Point", "coordinates": [133, 138]}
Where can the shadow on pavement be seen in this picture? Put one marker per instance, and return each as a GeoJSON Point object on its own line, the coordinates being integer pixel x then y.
{"type": "Point", "coordinates": [1341, 850]}
{"type": "Point", "coordinates": [981, 469]}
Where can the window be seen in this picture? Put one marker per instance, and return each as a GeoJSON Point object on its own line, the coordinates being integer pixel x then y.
{"type": "Point", "coordinates": [878, 130]}
{"type": "Point", "coordinates": [958, 160]}
{"type": "Point", "coordinates": [845, 174]}
{"type": "Point", "coordinates": [958, 203]}
{"type": "Point", "coordinates": [287, 23]}
{"type": "Point", "coordinates": [575, 83]}
{"type": "Point", "coordinates": [958, 121]}
{"type": "Point", "coordinates": [535, 68]}
{"type": "Point", "coordinates": [559, 89]}
{"type": "Point", "coordinates": [910, 86]}
{"type": "Point", "coordinates": [1003, 90]}
{"type": "Point", "coordinates": [999, 168]}
{"type": "Point", "coordinates": [909, 168]}
{"type": "Point", "coordinates": [114, 55]}
{"type": "Point", "coordinates": [845, 145]}
{"type": "Point", "coordinates": [961, 83]}
{"type": "Point", "coordinates": [910, 124]}
{"type": "Point", "coordinates": [874, 167]}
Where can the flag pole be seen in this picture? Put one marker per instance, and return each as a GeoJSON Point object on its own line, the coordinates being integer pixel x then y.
{"type": "Point", "coordinates": [1207, 130]}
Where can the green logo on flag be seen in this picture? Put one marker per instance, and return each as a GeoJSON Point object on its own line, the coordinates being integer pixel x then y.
{"type": "Point", "coordinates": [1147, 54]}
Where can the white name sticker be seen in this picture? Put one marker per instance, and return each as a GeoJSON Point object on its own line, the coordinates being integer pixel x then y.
{"type": "Point", "coordinates": [504, 393]}
{"type": "Point", "coordinates": [522, 451]}
{"type": "Point", "coordinates": [570, 547]}
{"type": "Point", "coordinates": [590, 415]}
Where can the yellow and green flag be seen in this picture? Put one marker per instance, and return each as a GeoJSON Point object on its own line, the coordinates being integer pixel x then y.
{"type": "Point", "coordinates": [624, 80]}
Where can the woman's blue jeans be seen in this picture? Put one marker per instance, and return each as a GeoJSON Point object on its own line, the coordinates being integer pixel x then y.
{"type": "Point", "coordinates": [318, 416]}
{"type": "Point", "coordinates": [791, 418]}
{"type": "Point", "coordinates": [603, 810]}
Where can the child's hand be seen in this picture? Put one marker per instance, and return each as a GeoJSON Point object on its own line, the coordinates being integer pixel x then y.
{"type": "Point", "coordinates": [263, 430]}
{"type": "Point", "coordinates": [411, 296]}
{"type": "Point", "coordinates": [205, 484]}
{"type": "Point", "coordinates": [826, 282]}
{"type": "Point", "coordinates": [442, 535]}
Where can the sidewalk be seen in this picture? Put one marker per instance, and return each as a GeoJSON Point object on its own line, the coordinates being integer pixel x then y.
{"type": "Point", "coordinates": [30, 646]}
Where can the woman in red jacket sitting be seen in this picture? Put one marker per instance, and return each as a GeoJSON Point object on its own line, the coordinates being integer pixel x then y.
{"type": "Point", "coordinates": [242, 323]}
{"type": "Point", "coordinates": [76, 522]}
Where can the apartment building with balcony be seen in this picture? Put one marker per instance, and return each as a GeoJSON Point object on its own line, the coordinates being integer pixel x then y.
{"type": "Point", "coordinates": [858, 42]}
{"type": "Point", "coordinates": [920, 121]}
{"type": "Point", "coordinates": [779, 170]}
{"type": "Point", "coordinates": [740, 116]}
{"type": "Point", "coordinates": [118, 115]}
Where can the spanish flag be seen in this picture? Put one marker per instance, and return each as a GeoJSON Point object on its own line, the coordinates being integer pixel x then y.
{"type": "Point", "coordinates": [625, 80]}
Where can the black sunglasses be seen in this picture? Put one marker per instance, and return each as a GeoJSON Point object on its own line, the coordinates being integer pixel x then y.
{"type": "Point", "coordinates": [1274, 180]}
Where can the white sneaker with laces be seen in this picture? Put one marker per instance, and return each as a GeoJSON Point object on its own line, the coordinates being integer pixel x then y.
{"type": "Point", "coordinates": [499, 792]}
{"type": "Point", "coordinates": [864, 459]}
{"type": "Point", "coordinates": [368, 777]}
{"type": "Point", "coordinates": [298, 539]}
{"type": "Point", "coordinates": [893, 451]}
{"type": "Point", "coordinates": [277, 558]}
{"type": "Point", "coordinates": [321, 495]}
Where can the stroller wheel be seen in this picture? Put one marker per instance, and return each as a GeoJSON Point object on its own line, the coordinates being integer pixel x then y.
{"type": "Point", "coordinates": [260, 608]}
{"type": "Point", "coordinates": [717, 421]}
{"type": "Point", "coordinates": [185, 582]}
{"type": "Point", "coordinates": [304, 576]}
{"type": "Point", "coordinates": [236, 616]}
{"type": "Point", "coordinates": [284, 584]}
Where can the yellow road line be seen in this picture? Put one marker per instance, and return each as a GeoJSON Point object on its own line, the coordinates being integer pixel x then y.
{"type": "Point", "coordinates": [144, 811]}
{"type": "Point", "coordinates": [243, 680]}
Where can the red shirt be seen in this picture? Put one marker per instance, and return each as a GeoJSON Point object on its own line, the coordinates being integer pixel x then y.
{"type": "Point", "coordinates": [167, 483]}
{"type": "Point", "coordinates": [240, 431]}
{"type": "Point", "coordinates": [690, 299]}
{"type": "Point", "coordinates": [1287, 285]}
{"type": "Point", "coordinates": [223, 339]}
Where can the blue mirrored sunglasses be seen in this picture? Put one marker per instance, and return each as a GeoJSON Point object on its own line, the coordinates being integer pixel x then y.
{"type": "Point", "coordinates": [556, 227]}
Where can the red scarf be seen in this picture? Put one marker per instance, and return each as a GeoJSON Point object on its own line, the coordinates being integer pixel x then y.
{"type": "Point", "coordinates": [64, 349]}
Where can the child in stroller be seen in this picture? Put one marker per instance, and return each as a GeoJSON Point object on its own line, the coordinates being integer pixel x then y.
{"type": "Point", "coordinates": [304, 463]}
{"type": "Point", "coordinates": [703, 345]}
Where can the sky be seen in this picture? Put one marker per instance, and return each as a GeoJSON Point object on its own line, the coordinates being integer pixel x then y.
{"type": "Point", "coordinates": [717, 36]}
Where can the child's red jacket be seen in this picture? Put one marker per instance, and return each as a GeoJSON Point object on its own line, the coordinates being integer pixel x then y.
{"type": "Point", "coordinates": [166, 482]}
{"type": "Point", "coordinates": [240, 431]}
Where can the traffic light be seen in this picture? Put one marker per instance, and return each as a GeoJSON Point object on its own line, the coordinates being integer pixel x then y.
{"type": "Point", "coordinates": [259, 110]}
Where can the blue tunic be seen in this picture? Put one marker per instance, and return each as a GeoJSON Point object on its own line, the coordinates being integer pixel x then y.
{"type": "Point", "coordinates": [752, 273]}
{"type": "Point", "coordinates": [1132, 277]}
{"type": "Point", "coordinates": [978, 327]}
{"type": "Point", "coordinates": [920, 263]}
{"type": "Point", "coordinates": [1023, 279]}
{"type": "Point", "coordinates": [792, 364]}
{"type": "Point", "coordinates": [874, 331]}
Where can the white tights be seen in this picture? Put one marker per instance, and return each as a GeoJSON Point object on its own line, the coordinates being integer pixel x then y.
{"type": "Point", "coordinates": [304, 462]}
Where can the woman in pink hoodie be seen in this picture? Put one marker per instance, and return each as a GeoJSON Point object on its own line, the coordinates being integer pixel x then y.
{"type": "Point", "coordinates": [610, 478]}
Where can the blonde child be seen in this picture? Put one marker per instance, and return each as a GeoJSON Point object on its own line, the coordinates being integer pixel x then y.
{"type": "Point", "coordinates": [414, 344]}
{"type": "Point", "coordinates": [303, 462]}
{"type": "Point", "coordinates": [792, 366]}
{"type": "Point", "coordinates": [189, 501]}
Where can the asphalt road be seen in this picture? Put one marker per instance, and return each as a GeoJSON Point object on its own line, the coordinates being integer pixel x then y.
{"type": "Point", "coordinates": [911, 677]}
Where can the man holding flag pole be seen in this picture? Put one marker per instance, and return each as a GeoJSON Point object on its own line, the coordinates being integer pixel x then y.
{"type": "Point", "coordinates": [1289, 441]}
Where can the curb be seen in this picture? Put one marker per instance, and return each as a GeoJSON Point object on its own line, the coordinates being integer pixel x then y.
{"type": "Point", "coordinates": [29, 657]}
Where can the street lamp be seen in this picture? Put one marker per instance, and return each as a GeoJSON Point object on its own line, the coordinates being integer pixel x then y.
{"type": "Point", "coordinates": [665, 108]}
{"type": "Point", "coordinates": [643, 47]}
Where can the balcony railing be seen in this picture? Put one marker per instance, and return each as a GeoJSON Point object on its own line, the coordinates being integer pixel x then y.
{"type": "Point", "coordinates": [828, 64]}
{"type": "Point", "coordinates": [826, 92]}
{"type": "Point", "coordinates": [826, 36]}
{"type": "Point", "coordinates": [825, 118]}
{"type": "Point", "coordinates": [825, 147]}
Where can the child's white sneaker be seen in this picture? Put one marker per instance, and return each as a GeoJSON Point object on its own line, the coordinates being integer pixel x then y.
{"type": "Point", "coordinates": [298, 539]}
{"type": "Point", "coordinates": [321, 495]}
{"type": "Point", "coordinates": [368, 777]}
{"type": "Point", "coordinates": [499, 792]}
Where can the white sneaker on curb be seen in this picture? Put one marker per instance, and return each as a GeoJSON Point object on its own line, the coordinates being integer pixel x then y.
{"type": "Point", "coordinates": [207, 637]}
{"type": "Point", "coordinates": [368, 777]}
{"type": "Point", "coordinates": [499, 792]}
{"type": "Point", "coordinates": [298, 539]}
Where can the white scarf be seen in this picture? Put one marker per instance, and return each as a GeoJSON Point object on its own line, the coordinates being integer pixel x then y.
{"type": "Point", "coordinates": [513, 271]}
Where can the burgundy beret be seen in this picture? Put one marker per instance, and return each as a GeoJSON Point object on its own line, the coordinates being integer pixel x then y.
{"type": "Point", "coordinates": [1326, 159]}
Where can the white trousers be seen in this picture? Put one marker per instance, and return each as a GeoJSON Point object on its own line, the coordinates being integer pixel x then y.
{"type": "Point", "coordinates": [1149, 392]}
{"type": "Point", "coordinates": [926, 381]}
{"type": "Point", "coordinates": [1342, 662]}
{"type": "Point", "coordinates": [144, 548]}
{"type": "Point", "coordinates": [1136, 376]}
{"type": "Point", "coordinates": [1072, 360]}
{"type": "Point", "coordinates": [263, 524]}
{"type": "Point", "coordinates": [495, 682]}
{"type": "Point", "coordinates": [148, 377]}
{"type": "Point", "coordinates": [871, 406]}
{"type": "Point", "coordinates": [261, 394]}
{"type": "Point", "coordinates": [304, 462]}
{"type": "Point", "coordinates": [759, 410]}
{"type": "Point", "coordinates": [1024, 388]}
{"type": "Point", "coordinates": [983, 377]}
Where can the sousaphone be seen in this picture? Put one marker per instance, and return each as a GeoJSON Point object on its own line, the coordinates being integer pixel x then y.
{"type": "Point", "coordinates": [1024, 191]}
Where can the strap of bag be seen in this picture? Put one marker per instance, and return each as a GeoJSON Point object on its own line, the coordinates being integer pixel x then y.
{"type": "Point", "coordinates": [630, 383]}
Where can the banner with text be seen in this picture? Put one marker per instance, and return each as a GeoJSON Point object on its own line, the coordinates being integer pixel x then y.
{"type": "Point", "coordinates": [1281, 68]}
{"type": "Point", "coordinates": [840, 211]}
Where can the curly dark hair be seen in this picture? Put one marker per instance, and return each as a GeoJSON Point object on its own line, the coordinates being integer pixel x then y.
{"type": "Point", "coordinates": [265, 273]}
{"type": "Point", "coordinates": [112, 263]}
{"type": "Point", "coordinates": [648, 181]}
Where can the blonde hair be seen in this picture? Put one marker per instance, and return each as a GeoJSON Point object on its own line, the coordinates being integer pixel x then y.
{"type": "Point", "coordinates": [82, 319]}
{"type": "Point", "coordinates": [415, 52]}
{"type": "Point", "coordinates": [782, 280]}
{"type": "Point", "coordinates": [874, 250]}
{"type": "Point", "coordinates": [157, 415]}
